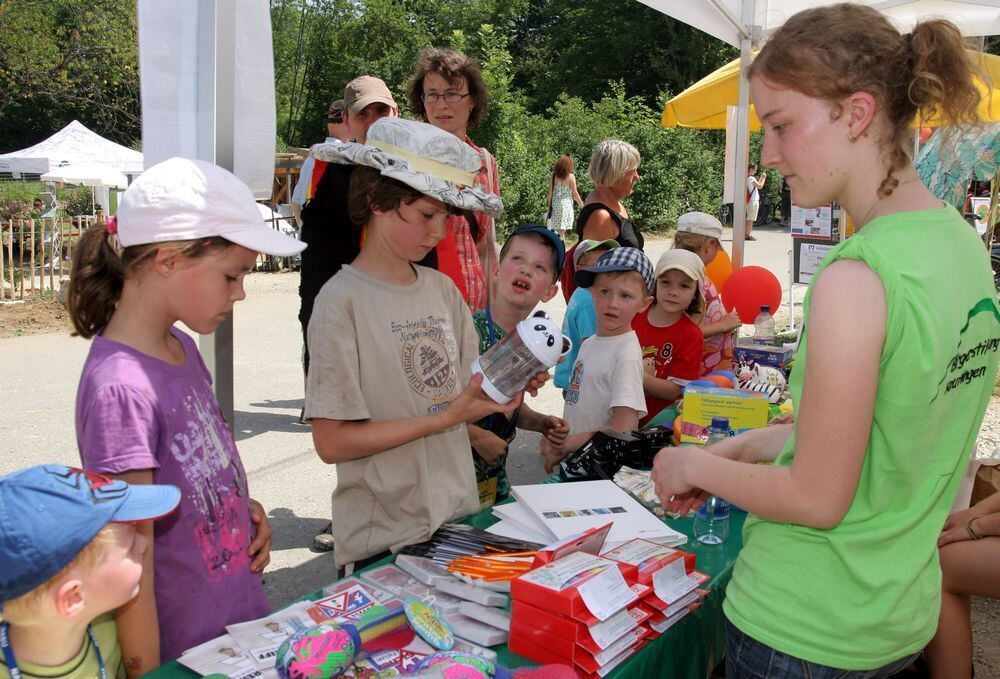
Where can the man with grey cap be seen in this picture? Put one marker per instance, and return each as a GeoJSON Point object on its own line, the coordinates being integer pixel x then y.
{"type": "Point", "coordinates": [326, 226]}
{"type": "Point", "coordinates": [336, 131]}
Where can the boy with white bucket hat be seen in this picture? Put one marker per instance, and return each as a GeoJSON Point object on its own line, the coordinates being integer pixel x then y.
{"type": "Point", "coordinates": [391, 346]}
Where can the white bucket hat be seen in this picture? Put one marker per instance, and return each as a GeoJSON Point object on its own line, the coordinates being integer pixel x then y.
{"type": "Point", "coordinates": [182, 199]}
{"type": "Point", "coordinates": [430, 160]}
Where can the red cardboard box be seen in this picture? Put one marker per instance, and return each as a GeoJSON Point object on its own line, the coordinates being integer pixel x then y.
{"type": "Point", "coordinates": [523, 635]}
{"type": "Point", "coordinates": [556, 586]}
{"type": "Point", "coordinates": [642, 558]}
{"type": "Point", "coordinates": [546, 657]}
{"type": "Point", "coordinates": [594, 637]}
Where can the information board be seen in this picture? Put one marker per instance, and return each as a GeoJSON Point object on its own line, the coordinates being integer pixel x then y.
{"type": "Point", "coordinates": [807, 255]}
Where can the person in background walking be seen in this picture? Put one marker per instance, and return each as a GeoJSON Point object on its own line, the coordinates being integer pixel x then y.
{"type": "Point", "coordinates": [562, 195]}
{"type": "Point", "coordinates": [754, 185]}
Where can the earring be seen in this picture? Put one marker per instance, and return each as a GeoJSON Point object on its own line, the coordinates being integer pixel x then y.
{"type": "Point", "coordinates": [166, 273]}
{"type": "Point", "coordinates": [852, 138]}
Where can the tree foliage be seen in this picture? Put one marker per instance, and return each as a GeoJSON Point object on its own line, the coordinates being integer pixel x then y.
{"type": "Point", "coordinates": [562, 74]}
{"type": "Point", "coordinates": [66, 59]}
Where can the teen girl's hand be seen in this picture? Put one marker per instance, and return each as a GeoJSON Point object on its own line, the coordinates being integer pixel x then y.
{"type": "Point", "coordinates": [669, 469]}
{"type": "Point", "coordinates": [260, 548]}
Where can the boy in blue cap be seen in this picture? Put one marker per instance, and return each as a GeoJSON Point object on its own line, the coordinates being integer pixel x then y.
{"type": "Point", "coordinates": [605, 385]}
{"type": "Point", "coordinates": [530, 263]}
{"type": "Point", "coordinates": [69, 556]}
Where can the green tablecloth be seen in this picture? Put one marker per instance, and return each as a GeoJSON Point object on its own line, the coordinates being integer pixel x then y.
{"type": "Point", "coordinates": [690, 648]}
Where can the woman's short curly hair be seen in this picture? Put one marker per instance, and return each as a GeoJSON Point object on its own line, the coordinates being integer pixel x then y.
{"type": "Point", "coordinates": [453, 66]}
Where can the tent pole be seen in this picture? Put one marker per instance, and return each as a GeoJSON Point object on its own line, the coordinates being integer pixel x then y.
{"type": "Point", "coordinates": [741, 156]}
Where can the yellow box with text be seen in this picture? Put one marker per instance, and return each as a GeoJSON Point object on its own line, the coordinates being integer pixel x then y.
{"type": "Point", "coordinates": [744, 409]}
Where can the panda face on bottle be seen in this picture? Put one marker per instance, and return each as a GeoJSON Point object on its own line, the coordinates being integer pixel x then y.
{"type": "Point", "coordinates": [550, 341]}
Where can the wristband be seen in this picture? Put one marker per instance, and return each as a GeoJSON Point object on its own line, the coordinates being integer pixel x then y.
{"type": "Point", "coordinates": [968, 529]}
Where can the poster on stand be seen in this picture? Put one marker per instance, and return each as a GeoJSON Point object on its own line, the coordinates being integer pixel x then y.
{"type": "Point", "coordinates": [980, 207]}
{"type": "Point", "coordinates": [812, 222]}
{"type": "Point", "coordinates": [808, 254]}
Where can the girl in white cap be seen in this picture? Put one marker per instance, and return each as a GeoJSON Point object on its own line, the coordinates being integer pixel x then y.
{"type": "Point", "coordinates": [185, 235]}
{"type": "Point", "coordinates": [392, 344]}
{"type": "Point", "coordinates": [671, 341]}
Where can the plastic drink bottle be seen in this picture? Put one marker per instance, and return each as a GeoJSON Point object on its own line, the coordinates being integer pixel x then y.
{"type": "Point", "coordinates": [763, 326]}
{"type": "Point", "coordinates": [711, 521]}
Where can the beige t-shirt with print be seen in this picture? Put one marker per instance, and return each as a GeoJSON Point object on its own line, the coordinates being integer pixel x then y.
{"type": "Point", "coordinates": [378, 352]}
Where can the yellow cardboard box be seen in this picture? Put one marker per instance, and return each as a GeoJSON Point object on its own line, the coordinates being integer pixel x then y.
{"type": "Point", "coordinates": [745, 410]}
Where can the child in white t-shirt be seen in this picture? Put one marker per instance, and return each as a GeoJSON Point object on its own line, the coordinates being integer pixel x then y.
{"type": "Point", "coordinates": [605, 385]}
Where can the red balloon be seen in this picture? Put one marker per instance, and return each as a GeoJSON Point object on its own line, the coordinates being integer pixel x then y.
{"type": "Point", "coordinates": [750, 288]}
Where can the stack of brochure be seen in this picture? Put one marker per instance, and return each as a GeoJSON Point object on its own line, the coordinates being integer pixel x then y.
{"type": "Point", "coordinates": [548, 512]}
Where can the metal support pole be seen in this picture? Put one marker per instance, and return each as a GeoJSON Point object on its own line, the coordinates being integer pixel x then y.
{"type": "Point", "coordinates": [742, 138]}
{"type": "Point", "coordinates": [216, 144]}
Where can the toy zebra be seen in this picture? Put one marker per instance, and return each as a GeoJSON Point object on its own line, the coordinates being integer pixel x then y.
{"type": "Point", "coordinates": [764, 379]}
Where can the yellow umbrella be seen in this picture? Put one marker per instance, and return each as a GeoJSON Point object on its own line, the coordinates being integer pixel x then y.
{"type": "Point", "coordinates": [703, 105]}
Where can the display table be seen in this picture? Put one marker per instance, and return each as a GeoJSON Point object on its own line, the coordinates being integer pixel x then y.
{"type": "Point", "coordinates": [691, 648]}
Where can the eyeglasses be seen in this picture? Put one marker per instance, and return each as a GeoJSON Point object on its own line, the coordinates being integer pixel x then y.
{"type": "Point", "coordinates": [450, 97]}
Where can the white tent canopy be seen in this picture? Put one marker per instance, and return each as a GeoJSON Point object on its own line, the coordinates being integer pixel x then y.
{"type": "Point", "coordinates": [88, 174]}
{"type": "Point", "coordinates": [722, 18]}
{"type": "Point", "coordinates": [72, 144]}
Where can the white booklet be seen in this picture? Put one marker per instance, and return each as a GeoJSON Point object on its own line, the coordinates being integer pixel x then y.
{"type": "Point", "coordinates": [564, 509]}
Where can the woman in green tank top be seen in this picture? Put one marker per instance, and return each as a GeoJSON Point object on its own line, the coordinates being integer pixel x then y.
{"type": "Point", "coordinates": [839, 574]}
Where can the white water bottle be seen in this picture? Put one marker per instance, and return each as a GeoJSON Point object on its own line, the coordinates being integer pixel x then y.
{"type": "Point", "coordinates": [763, 326]}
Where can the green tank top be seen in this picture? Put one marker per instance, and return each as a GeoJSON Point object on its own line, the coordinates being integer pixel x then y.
{"type": "Point", "coordinates": [868, 591]}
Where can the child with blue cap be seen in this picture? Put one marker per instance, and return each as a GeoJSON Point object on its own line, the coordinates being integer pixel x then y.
{"type": "Point", "coordinates": [69, 555]}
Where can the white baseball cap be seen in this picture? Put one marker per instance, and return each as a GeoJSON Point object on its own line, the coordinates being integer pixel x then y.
{"type": "Point", "coordinates": [701, 223]}
{"type": "Point", "coordinates": [182, 199]}
{"type": "Point", "coordinates": [682, 260]}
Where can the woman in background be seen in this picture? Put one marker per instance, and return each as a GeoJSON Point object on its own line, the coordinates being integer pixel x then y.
{"type": "Point", "coordinates": [562, 195]}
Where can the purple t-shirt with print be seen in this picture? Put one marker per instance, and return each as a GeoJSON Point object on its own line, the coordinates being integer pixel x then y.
{"type": "Point", "coordinates": [136, 412]}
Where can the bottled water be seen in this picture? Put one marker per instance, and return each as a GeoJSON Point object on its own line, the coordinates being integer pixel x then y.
{"type": "Point", "coordinates": [763, 326]}
{"type": "Point", "coordinates": [711, 521]}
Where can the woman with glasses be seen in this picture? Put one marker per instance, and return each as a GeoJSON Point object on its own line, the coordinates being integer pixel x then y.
{"type": "Point", "coordinates": [447, 90]}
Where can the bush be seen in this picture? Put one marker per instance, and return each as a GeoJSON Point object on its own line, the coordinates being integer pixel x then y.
{"type": "Point", "coordinates": [76, 201]}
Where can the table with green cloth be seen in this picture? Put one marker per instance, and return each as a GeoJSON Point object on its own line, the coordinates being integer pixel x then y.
{"type": "Point", "coordinates": [691, 648]}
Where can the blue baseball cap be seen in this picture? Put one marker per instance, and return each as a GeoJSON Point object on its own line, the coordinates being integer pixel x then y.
{"type": "Point", "coordinates": [619, 259]}
{"type": "Point", "coordinates": [547, 234]}
{"type": "Point", "coordinates": [49, 513]}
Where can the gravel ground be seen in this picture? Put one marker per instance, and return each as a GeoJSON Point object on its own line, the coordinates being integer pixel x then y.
{"type": "Point", "coordinates": [40, 364]}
